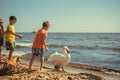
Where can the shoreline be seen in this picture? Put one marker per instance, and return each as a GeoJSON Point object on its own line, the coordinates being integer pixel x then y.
{"type": "Point", "coordinates": [94, 68]}
{"type": "Point", "coordinates": [75, 65]}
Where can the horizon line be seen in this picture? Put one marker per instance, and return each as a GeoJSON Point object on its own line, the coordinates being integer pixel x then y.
{"type": "Point", "coordinates": [72, 32]}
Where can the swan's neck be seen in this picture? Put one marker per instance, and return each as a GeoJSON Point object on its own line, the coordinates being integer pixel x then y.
{"type": "Point", "coordinates": [66, 53]}
{"type": "Point", "coordinates": [68, 57]}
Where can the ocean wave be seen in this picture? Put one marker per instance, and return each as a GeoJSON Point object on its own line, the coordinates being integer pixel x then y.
{"type": "Point", "coordinates": [88, 47]}
{"type": "Point", "coordinates": [16, 53]}
{"type": "Point", "coordinates": [105, 37]}
{"type": "Point", "coordinates": [22, 45]}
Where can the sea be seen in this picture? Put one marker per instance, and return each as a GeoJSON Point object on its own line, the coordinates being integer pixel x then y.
{"type": "Point", "coordinates": [93, 49]}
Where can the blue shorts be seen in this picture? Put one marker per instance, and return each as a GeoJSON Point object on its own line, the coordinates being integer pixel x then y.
{"type": "Point", "coordinates": [37, 51]}
{"type": "Point", "coordinates": [1, 41]}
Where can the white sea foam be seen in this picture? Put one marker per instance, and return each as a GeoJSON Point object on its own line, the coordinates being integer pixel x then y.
{"type": "Point", "coordinates": [23, 44]}
{"type": "Point", "coordinates": [16, 53]}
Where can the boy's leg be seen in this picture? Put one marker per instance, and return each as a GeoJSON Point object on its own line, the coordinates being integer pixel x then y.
{"type": "Point", "coordinates": [11, 47]}
{"type": "Point", "coordinates": [1, 44]}
{"type": "Point", "coordinates": [31, 61]}
{"type": "Point", "coordinates": [41, 62]}
{"type": "Point", "coordinates": [10, 54]}
{"type": "Point", "coordinates": [0, 53]}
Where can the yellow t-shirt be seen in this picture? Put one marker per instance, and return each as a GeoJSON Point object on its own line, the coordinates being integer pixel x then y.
{"type": "Point", "coordinates": [9, 36]}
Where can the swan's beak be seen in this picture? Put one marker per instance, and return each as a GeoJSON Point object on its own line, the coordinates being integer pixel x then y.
{"type": "Point", "coordinates": [67, 51]}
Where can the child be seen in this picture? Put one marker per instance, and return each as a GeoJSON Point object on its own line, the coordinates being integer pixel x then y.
{"type": "Point", "coordinates": [39, 43]}
{"type": "Point", "coordinates": [10, 36]}
{"type": "Point", "coordinates": [1, 36]}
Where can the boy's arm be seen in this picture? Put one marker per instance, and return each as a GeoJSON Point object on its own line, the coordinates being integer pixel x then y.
{"type": "Point", "coordinates": [18, 35]}
{"type": "Point", "coordinates": [45, 45]}
{"type": "Point", "coordinates": [2, 30]}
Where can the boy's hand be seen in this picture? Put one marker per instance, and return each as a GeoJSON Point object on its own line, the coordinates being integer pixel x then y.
{"type": "Point", "coordinates": [20, 36]}
{"type": "Point", "coordinates": [47, 47]}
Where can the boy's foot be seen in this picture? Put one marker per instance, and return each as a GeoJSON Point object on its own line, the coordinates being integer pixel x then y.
{"type": "Point", "coordinates": [30, 70]}
{"type": "Point", "coordinates": [40, 68]}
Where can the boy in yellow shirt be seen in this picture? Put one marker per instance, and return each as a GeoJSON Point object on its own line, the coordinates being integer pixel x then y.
{"type": "Point", "coordinates": [10, 36]}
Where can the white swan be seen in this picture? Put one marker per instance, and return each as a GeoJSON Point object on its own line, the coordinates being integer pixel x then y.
{"type": "Point", "coordinates": [60, 60]}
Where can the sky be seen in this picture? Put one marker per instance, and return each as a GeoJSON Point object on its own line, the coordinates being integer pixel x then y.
{"type": "Point", "coordinates": [63, 15]}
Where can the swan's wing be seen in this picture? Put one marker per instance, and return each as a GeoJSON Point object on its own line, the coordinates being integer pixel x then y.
{"type": "Point", "coordinates": [56, 57]}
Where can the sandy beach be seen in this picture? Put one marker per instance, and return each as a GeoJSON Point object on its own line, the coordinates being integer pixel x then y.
{"type": "Point", "coordinates": [22, 73]}
{"type": "Point", "coordinates": [72, 72]}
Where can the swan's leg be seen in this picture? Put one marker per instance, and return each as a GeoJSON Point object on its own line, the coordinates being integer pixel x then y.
{"type": "Point", "coordinates": [56, 67]}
